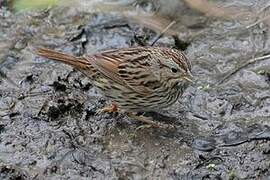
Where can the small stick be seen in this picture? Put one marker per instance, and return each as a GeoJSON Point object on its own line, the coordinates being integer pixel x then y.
{"type": "Point", "coordinates": [251, 61]}
{"type": "Point", "coordinates": [264, 8]}
{"type": "Point", "coordinates": [259, 21]}
{"type": "Point", "coordinates": [162, 32]}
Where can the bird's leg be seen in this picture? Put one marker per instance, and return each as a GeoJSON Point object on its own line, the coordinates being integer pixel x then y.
{"type": "Point", "coordinates": [149, 121]}
{"type": "Point", "coordinates": [108, 109]}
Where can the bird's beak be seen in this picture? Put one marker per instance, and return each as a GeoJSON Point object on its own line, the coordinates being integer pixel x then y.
{"type": "Point", "coordinates": [188, 79]}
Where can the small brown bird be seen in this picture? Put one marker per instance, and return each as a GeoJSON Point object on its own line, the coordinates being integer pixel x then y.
{"type": "Point", "coordinates": [134, 79]}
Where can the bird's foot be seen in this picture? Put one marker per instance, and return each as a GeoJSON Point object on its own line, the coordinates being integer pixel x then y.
{"type": "Point", "coordinates": [150, 122]}
{"type": "Point", "coordinates": [108, 109]}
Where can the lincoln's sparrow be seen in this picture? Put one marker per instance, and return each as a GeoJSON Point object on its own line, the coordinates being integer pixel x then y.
{"type": "Point", "coordinates": [134, 79]}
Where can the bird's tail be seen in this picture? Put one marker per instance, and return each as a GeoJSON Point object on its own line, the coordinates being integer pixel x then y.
{"type": "Point", "coordinates": [76, 62]}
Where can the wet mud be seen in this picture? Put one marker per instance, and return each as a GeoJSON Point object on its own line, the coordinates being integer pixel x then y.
{"type": "Point", "coordinates": [50, 128]}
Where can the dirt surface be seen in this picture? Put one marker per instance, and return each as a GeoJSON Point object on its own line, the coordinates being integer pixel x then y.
{"type": "Point", "coordinates": [49, 127]}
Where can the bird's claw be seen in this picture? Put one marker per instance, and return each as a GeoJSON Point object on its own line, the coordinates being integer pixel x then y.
{"type": "Point", "coordinates": [151, 123]}
{"type": "Point", "coordinates": [108, 109]}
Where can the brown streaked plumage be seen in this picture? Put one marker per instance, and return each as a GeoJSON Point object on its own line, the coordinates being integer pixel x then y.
{"type": "Point", "coordinates": [136, 79]}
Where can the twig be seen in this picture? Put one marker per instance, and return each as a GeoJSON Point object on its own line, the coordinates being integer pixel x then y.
{"type": "Point", "coordinates": [262, 19]}
{"type": "Point", "coordinates": [256, 137]}
{"type": "Point", "coordinates": [259, 21]}
{"type": "Point", "coordinates": [251, 61]}
{"type": "Point", "coordinates": [264, 8]}
{"type": "Point", "coordinates": [163, 31]}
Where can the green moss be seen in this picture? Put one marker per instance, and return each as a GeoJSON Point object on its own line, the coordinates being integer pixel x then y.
{"type": "Point", "coordinates": [20, 5]}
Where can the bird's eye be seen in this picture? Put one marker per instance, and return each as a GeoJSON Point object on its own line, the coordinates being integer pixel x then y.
{"type": "Point", "coordinates": [174, 70]}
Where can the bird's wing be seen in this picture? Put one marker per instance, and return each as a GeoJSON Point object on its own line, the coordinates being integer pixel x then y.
{"type": "Point", "coordinates": [128, 67]}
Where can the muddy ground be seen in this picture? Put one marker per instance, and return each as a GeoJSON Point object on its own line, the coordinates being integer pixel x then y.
{"type": "Point", "coordinates": [49, 127]}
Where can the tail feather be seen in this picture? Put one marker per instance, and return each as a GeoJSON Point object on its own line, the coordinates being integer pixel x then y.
{"type": "Point", "coordinates": [76, 62]}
